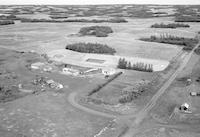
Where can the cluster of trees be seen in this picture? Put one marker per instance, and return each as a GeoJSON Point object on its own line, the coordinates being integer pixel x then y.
{"type": "Point", "coordinates": [8, 93]}
{"type": "Point", "coordinates": [9, 17]}
{"type": "Point", "coordinates": [139, 66]}
{"type": "Point", "coordinates": [58, 16]}
{"type": "Point", "coordinates": [197, 51]}
{"type": "Point", "coordinates": [170, 25]}
{"type": "Point", "coordinates": [132, 93]}
{"type": "Point", "coordinates": [100, 86]}
{"type": "Point", "coordinates": [98, 31]}
{"type": "Point", "coordinates": [187, 43]}
{"type": "Point", "coordinates": [193, 18]}
{"type": "Point", "coordinates": [74, 20]}
{"type": "Point", "coordinates": [6, 22]}
{"type": "Point", "coordinates": [91, 48]}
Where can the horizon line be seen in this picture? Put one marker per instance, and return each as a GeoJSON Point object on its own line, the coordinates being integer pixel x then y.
{"type": "Point", "coordinates": [26, 4]}
{"type": "Point", "coordinates": [97, 4]}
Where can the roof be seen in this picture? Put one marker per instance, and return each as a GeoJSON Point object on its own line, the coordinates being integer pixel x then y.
{"type": "Point", "coordinates": [38, 64]}
{"type": "Point", "coordinates": [185, 105]}
{"type": "Point", "coordinates": [50, 81]}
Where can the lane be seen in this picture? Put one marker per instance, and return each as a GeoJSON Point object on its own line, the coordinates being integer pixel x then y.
{"type": "Point", "coordinates": [72, 101]}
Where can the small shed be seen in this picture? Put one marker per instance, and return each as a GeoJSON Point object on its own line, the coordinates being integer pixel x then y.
{"type": "Point", "coordinates": [193, 93]}
{"type": "Point", "coordinates": [184, 107]}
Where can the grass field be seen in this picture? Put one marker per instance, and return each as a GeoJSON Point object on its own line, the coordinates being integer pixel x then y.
{"type": "Point", "coordinates": [124, 40]}
{"type": "Point", "coordinates": [179, 93]}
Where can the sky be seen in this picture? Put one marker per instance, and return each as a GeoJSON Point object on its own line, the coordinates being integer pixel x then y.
{"type": "Point", "coordinates": [86, 2]}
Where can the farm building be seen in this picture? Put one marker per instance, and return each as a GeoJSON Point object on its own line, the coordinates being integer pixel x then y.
{"type": "Point", "coordinates": [108, 71]}
{"type": "Point", "coordinates": [41, 66]}
{"type": "Point", "coordinates": [37, 65]}
{"type": "Point", "coordinates": [70, 71]}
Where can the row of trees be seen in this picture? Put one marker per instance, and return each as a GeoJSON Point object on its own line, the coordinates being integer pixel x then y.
{"type": "Point", "coordinates": [188, 43]}
{"type": "Point", "coordinates": [58, 16]}
{"type": "Point", "coordinates": [91, 48]}
{"type": "Point", "coordinates": [193, 18]}
{"type": "Point", "coordinates": [98, 31]}
{"type": "Point", "coordinates": [6, 22]}
{"type": "Point", "coordinates": [139, 66]}
{"type": "Point", "coordinates": [75, 20]}
{"type": "Point", "coordinates": [100, 86]}
{"type": "Point", "coordinates": [9, 17]}
{"type": "Point", "coordinates": [170, 25]}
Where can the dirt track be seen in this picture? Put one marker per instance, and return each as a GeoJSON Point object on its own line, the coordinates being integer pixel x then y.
{"type": "Point", "coordinates": [72, 101]}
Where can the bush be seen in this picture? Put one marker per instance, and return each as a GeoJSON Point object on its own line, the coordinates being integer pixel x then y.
{"type": "Point", "coordinates": [6, 22]}
{"type": "Point", "coordinates": [98, 31]}
{"type": "Point", "coordinates": [123, 64]}
{"type": "Point", "coordinates": [171, 25]}
{"type": "Point", "coordinates": [91, 48]}
{"type": "Point", "coordinates": [187, 43]}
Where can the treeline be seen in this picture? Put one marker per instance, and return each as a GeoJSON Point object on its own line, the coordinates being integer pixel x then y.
{"type": "Point", "coordinates": [91, 48]}
{"type": "Point", "coordinates": [99, 87]}
{"type": "Point", "coordinates": [187, 43]}
{"type": "Point", "coordinates": [9, 17]}
{"type": "Point", "coordinates": [98, 31]}
{"type": "Point", "coordinates": [6, 22]}
{"type": "Point", "coordinates": [170, 25]}
{"type": "Point", "coordinates": [139, 66]}
{"type": "Point", "coordinates": [58, 16]}
{"type": "Point", "coordinates": [187, 18]}
{"type": "Point", "coordinates": [120, 20]}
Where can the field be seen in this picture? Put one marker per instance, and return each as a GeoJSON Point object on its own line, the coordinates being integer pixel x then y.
{"type": "Point", "coordinates": [177, 94]}
{"type": "Point", "coordinates": [57, 37]}
{"type": "Point", "coordinates": [128, 104]}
